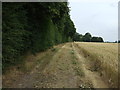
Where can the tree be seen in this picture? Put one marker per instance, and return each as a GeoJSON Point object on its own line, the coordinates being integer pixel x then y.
{"type": "Point", "coordinates": [118, 41]}
{"type": "Point", "coordinates": [78, 37]}
{"type": "Point", "coordinates": [96, 39]}
{"type": "Point", "coordinates": [81, 37]}
{"type": "Point", "coordinates": [33, 27]}
{"type": "Point", "coordinates": [100, 39]}
{"type": "Point", "coordinates": [87, 37]}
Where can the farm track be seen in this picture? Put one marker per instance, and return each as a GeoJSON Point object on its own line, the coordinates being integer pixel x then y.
{"type": "Point", "coordinates": [93, 76]}
{"type": "Point", "coordinates": [65, 68]}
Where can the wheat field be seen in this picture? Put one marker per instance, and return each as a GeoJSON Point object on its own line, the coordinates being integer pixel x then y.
{"type": "Point", "coordinates": [105, 57]}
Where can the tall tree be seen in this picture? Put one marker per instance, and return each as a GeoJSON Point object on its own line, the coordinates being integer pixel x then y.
{"type": "Point", "coordinates": [34, 27]}
{"type": "Point", "coordinates": [87, 37]}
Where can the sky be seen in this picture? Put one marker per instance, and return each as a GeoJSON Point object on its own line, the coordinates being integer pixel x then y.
{"type": "Point", "coordinates": [98, 17]}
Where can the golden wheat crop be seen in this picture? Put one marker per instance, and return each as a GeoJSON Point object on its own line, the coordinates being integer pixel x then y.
{"type": "Point", "coordinates": [107, 55]}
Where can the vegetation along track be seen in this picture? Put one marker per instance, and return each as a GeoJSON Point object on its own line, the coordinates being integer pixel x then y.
{"type": "Point", "coordinates": [64, 66]}
{"type": "Point", "coordinates": [91, 75]}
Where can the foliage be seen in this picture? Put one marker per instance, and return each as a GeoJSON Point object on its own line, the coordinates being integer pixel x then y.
{"type": "Point", "coordinates": [78, 37]}
{"type": "Point", "coordinates": [86, 38]}
{"type": "Point", "coordinates": [96, 39]}
{"type": "Point", "coordinates": [34, 27]}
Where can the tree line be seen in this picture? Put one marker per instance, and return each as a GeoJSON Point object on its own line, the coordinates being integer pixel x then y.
{"type": "Point", "coordinates": [87, 38]}
{"type": "Point", "coordinates": [33, 27]}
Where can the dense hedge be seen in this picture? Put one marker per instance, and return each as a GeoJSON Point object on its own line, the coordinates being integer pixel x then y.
{"type": "Point", "coordinates": [33, 27]}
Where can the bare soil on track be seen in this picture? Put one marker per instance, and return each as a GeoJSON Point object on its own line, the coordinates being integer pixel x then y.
{"type": "Point", "coordinates": [63, 67]}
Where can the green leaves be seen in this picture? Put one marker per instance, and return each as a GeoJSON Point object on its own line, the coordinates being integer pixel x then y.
{"type": "Point", "coordinates": [34, 27]}
{"type": "Point", "coordinates": [96, 39]}
{"type": "Point", "coordinates": [87, 38]}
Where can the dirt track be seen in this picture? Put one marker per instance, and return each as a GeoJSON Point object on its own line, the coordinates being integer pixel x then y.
{"type": "Point", "coordinates": [66, 68]}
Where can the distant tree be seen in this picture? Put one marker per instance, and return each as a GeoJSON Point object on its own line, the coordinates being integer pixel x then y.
{"type": "Point", "coordinates": [118, 41]}
{"type": "Point", "coordinates": [97, 39]}
{"type": "Point", "coordinates": [87, 37]}
{"type": "Point", "coordinates": [78, 37]}
{"type": "Point", "coordinates": [94, 39]}
{"type": "Point", "coordinates": [100, 39]}
{"type": "Point", "coordinates": [81, 37]}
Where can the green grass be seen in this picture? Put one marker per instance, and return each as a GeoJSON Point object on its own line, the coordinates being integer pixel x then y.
{"type": "Point", "coordinates": [76, 64]}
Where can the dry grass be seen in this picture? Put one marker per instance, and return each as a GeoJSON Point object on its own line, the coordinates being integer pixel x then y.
{"type": "Point", "coordinates": [104, 59]}
{"type": "Point", "coordinates": [29, 64]}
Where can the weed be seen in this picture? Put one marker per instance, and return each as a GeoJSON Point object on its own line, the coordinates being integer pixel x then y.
{"type": "Point", "coordinates": [79, 71]}
{"type": "Point", "coordinates": [54, 49]}
{"type": "Point", "coordinates": [72, 52]}
{"type": "Point", "coordinates": [74, 62]}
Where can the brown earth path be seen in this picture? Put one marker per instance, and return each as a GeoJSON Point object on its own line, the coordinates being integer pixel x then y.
{"type": "Point", "coordinates": [66, 68]}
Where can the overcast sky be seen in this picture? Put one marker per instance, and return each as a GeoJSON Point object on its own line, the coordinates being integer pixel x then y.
{"type": "Point", "coordinates": [99, 17]}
